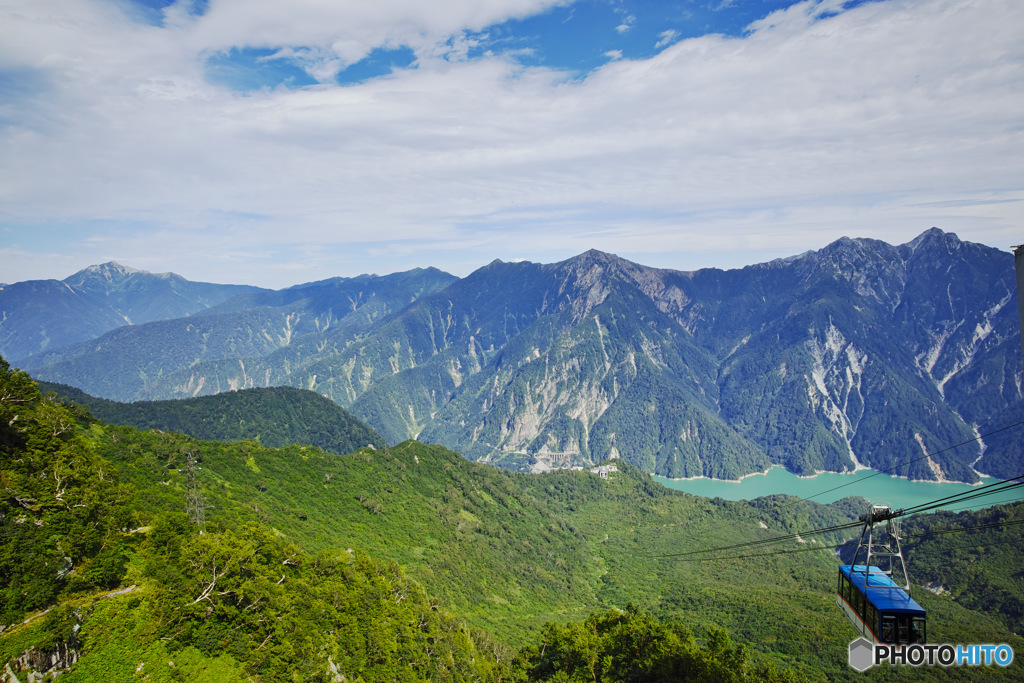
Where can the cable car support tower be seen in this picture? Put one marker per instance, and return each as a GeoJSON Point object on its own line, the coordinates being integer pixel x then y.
{"type": "Point", "coordinates": [882, 546]}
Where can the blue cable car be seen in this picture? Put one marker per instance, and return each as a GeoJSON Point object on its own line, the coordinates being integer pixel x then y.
{"type": "Point", "coordinates": [878, 607]}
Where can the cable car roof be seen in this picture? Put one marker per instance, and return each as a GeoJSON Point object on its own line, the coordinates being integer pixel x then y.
{"type": "Point", "coordinates": [885, 595]}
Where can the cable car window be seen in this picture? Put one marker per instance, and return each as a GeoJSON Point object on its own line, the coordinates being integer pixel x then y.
{"type": "Point", "coordinates": [888, 633]}
{"type": "Point", "coordinates": [917, 630]}
{"type": "Point", "coordinates": [903, 628]}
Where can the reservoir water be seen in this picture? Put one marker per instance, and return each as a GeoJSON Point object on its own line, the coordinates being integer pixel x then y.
{"type": "Point", "coordinates": [878, 488]}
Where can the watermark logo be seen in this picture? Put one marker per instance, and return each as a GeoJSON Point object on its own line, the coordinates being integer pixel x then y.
{"type": "Point", "coordinates": [863, 655]}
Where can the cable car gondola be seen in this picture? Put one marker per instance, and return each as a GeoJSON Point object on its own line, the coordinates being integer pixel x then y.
{"type": "Point", "coordinates": [879, 607]}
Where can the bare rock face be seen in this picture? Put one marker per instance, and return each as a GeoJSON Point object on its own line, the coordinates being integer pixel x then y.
{"type": "Point", "coordinates": [860, 354]}
{"type": "Point", "coordinates": [45, 664]}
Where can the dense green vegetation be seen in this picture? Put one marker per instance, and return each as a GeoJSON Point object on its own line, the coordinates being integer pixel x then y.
{"type": "Point", "coordinates": [278, 613]}
{"type": "Point", "coordinates": [981, 568]}
{"type": "Point", "coordinates": [476, 573]}
{"type": "Point", "coordinates": [484, 546]}
{"type": "Point", "coordinates": [633, 646]}
{"type": "Point", "coordinates": [275, 417]}
{"type": "Point", "coordinates": [62, 508]}
{"type": "Point", "coordinates": [233, 603]}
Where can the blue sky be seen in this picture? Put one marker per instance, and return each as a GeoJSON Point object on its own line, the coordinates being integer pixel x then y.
{"type": "Point", "coordinates": [275, 143]}
{"type": "Point", "coordinates": [574, 37]}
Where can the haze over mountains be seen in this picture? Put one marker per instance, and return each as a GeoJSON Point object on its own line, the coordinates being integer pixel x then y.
{"type": "Point", "coordinates": [44, 314]}
{"type": "Point", "coordinates": [861, 353]}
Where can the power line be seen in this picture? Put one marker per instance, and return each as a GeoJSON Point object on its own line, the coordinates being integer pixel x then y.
{"type": "Point", "coordinates": [939, 532]}
{"type": "Point", "coordinates": [991, 525]}
{"type": "Point", "coordinates": [776, 539]}
{"type": "Point", "coordinates": [1015, 499]}
{"type": "Point", "coordinates": [988, 489]}
{"type": "Point", "coordinates": [776, 552]}
{"type": "Point", "coordinates": [997, 487]}
{"type": "Point", "coordinates": [908, 462]}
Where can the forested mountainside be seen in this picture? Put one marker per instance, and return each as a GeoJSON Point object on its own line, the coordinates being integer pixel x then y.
{"type": "Point", "coordinates": [275, 417]}
{"type": "Point", "coordinates": [859, 353]}
{"type": "Point", "coordinates": [308, 320]}
{"type": "Point", "coordinates": [45, 314]}
{"type": "Point", "coordinates": [413, 564]}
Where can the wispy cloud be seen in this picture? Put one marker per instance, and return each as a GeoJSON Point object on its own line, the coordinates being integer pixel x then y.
{"type": "Point", "coordinates": [666, 38]}
{"type": "Point", "coordinates": [821, 121]}
{"type": "Point", "coordinates": [627, 24]}
{"type": "Point", "coordinates": [613, 54]}
{"type": "Point", "coordinates": [321, 64]}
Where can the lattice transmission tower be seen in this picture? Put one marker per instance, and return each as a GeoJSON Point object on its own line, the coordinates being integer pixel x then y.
{"type": "Point", "coordinates": [195, 505]}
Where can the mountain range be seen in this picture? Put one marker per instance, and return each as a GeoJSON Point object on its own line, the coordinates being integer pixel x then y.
{"type": "Point", "coordinates": [42, 314]}
{"type": "Point", "coordinates": [859, 354]}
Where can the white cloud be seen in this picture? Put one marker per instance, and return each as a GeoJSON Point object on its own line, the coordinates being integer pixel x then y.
{"type": "Point", "coordinates": [811, 127]}
{"type": "Point", "coordinates": [322, 64]}
{"type": "Point", "coordinates": [627, 24]}
{"type": "Point", "coordinates": [613, 54]}
{"type": "Point", "coordinates": [270, 23]}
{"type": "Point", "coordinates": [458, 47]}
{"type": "Point", "coordinates": [667, 38]}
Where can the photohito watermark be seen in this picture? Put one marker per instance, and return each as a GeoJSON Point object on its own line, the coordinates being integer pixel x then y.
{"type": "Point", "coordinates": [864, 655]}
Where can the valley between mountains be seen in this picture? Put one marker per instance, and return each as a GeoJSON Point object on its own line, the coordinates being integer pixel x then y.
{"type": "Point", "coordinates": [301, 484]}
{"type": "Point", "coordinates": [861, 354]}
{"type": "Point", "coordinates": [411, 563]}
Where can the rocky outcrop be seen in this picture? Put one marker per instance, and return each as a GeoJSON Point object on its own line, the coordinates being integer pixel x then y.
{"type": "Point", "coordinates": [37, 664]}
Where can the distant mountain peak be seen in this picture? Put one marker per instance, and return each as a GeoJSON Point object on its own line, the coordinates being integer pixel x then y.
{"type": "Point", "coordinates": [111, 271]}
{"type": "Point", "coordinates": [114, 267]}
{"type": "Point", "coordinates": [933, 238]}
{"type": "Point", "coordinates": [593, 257]}
{"type": "Point", "coordinates": [599, 256]}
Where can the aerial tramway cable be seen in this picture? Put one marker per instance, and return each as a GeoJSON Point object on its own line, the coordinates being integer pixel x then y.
{"type": "Point", "coordinates": [988, 489]}
{"type": "Point", "coordinates": [911, 461]}
{"type": "Point", "coordinates": [776, 539]}
{"type": "Point", "coordinates": [880, 608]}
{"type": "Point", "coordinates": [816, 547]}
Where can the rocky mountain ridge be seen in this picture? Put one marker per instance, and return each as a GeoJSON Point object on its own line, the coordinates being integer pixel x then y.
{"type": "Point", "coordinates": [858, 354]}
{"type": "Point", "coordinates": [39, 315]}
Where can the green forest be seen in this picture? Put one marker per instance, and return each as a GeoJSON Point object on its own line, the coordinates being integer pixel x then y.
{"type": "Point", "coordinates": [411, 563]}
{"type": "Point", "coordinates": [275, 416]}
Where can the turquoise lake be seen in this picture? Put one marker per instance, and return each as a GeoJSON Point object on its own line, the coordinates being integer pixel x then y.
{"type": "Point", "coordinates": [878, 488]}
